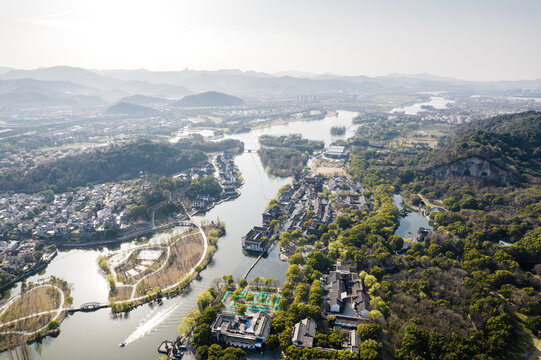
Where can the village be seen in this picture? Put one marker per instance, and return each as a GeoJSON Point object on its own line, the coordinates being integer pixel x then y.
{"type": "Point", "coordinates": [30, 223]}
{"type": "Point", "coordinates": [45, 215]}
{"type": "Point", "coordinates": [304, 206]}
{"type": "Point", "coordinates": [339, 298]}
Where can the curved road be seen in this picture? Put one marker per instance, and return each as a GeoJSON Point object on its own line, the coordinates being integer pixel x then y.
{"type": "Point", "coordinates": [203, 256]}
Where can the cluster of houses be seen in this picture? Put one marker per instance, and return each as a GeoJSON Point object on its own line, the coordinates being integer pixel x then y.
{"type": "Point", "coordinates": [24, 158]}
{"type": "Point", "coordinates": [305, 331]}
{"type": "Point", "coordinates": [305, 206]}
{"type": "Point", "coordinates": [228, 176]}
{"type": "Point", "coordinates": [16, 254]}
{"type": "Point", "coordinates": [347, 299]}
{"type": "Point", "coordinates": [87, 209]}
{"type": "Point", "coordinates": [228, 173]}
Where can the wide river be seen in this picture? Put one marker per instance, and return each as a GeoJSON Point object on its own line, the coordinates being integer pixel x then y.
{"type": "Point", "coordinates": [96, 335]}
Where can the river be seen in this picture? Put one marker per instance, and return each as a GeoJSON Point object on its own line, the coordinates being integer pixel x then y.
{"type": "Point", "coordinates": [96, 335]}
{"type": "Point", "coordinates": [438, 102]}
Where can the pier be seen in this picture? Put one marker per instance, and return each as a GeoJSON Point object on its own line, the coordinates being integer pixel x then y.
{"type": "Point", "coordinates": [257, 260]}
{"type": "Point", "coordinates": [173, 350]}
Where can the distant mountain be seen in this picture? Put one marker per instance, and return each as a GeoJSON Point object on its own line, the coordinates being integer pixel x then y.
{"type": "Point", "coordinates": [157, 90]}
{"type": "Point", "coordinates": [112, 85]}
{"type": "Point", "coordinates": [64, 73]}
{"type": "Point", "coordinates": [38, 93]}
{"type": "Point", "coordinates": [209, 98]}
{"type": "Point", "coordinates": [49, 88]}
{"type": "Point", "coordinates": [139, 99]}
{"type": "Point", "coordinates": [35, 99]}
{"type": "Point", "coordinates": [4, 69]}
{"type": "Point", "coordinates": [124, 108]}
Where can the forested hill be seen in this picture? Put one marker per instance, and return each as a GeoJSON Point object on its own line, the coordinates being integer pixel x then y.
{"type": "Point", "coordinates": [209, 98]}
{"type": "Point", "coordinates": [511, 143]}
{"type": "Point", "coordinates": [126, 108]}
{"type": "Point", "coordinates": [117, 162]}
{"type": "Point", "coordinates": [286, 155]}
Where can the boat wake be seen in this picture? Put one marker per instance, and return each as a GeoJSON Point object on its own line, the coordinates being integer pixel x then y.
{"type": "Point", "coordinates": [150, 322]}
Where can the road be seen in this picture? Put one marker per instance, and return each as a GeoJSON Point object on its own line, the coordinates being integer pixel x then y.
{"type": "Point", "coordinates": [192, 271]}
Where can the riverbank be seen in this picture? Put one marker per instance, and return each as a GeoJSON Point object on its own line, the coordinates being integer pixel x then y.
{"type": "Point", "coordinates": [42, 264]}
{"type": "Point", "coordinates": [122, 305]}
{"type": "Point", "coordinates": [145, 327]}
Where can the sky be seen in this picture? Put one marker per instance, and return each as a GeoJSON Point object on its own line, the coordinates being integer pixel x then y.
{"type": "Point", "coordinates": [466, 39]}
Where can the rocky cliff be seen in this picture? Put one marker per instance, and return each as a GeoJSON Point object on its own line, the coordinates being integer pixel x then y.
{"type": "Point", "coordinates": [474, 167]}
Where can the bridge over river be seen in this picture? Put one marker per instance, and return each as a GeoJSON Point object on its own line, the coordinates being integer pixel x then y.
{"type": "Point", "coordinates": [89, 306]}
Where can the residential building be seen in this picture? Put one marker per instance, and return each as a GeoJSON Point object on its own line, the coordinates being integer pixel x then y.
{"type": "Point", "coordinates": [304, 333]}
{"type": "Point", "coordinates": [254, 239]}
{"type": "Point", "coordinates": [246, 332]}
{"type": "Point", "coordinates": [347, 295]}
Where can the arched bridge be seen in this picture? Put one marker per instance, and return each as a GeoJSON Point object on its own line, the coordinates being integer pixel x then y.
{"type": "Point", "coordinates": [89, 306]}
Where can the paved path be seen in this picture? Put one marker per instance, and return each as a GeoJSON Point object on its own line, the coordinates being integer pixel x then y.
{"type": "Point", "coordinates": [58, 311]}
{"type": "Point", "coordinates": [205, 250]}
{"type": "Point", "coordinates": [192, 271]}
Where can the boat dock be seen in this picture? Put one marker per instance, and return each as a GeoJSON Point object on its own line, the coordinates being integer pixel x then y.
{"type": "Point", "coordinates": [174, 350]}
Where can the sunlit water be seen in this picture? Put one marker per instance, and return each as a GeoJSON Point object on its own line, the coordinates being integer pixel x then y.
{"type": "Point", "coordinates": [97, 335]}
{"type": "Point", "coordinates": [437, 102]}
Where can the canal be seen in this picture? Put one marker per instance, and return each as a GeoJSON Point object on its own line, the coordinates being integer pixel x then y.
{"type": "Point", "coordinates": [96, 335]}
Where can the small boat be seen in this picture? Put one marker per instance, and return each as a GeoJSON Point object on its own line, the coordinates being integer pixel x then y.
{"type": "Point", "coordinates": [122, 344]}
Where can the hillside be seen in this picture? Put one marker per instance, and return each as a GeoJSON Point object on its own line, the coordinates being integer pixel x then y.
{"type": "Point", "coordinates": [503, 149]}
{"type": "Point", "coordinates": [117, 162]}
{"type": "Point", "coordinates": [30, 92]}
{"type": "Point", "coordinates": [63, 73]}
{"type": "Point", "coordinates": [144, 100]}
{"type": "Point", "coordinates": [286, 155]}
{"type": "Point", "coordinates": [209, 98]}
{"type": "Point", "coordinates": [125, 108]}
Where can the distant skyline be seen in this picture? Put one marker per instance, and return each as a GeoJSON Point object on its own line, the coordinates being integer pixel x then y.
{"type": "Point", "coordinates": [471, 40]}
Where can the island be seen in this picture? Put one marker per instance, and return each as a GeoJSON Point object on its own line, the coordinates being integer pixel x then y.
{"type": "Point", "coordinates": [36, 312]}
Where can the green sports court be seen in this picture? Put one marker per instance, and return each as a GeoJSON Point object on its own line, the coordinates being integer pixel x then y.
{"type": "Point", "coordinates": [262, 301]}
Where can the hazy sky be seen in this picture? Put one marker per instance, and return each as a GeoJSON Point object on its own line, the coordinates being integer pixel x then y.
{"type": "Point", "coordinates": [470, 39]}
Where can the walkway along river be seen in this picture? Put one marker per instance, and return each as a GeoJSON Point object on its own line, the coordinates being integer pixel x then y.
{"type": "Point", "coordinates": [96, 335]}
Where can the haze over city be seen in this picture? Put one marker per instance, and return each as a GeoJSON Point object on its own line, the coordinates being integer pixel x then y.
{"type": "Point", "coordinates": [472, 40]}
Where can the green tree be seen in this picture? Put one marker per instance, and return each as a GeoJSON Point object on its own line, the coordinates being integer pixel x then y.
{"type": "Point", "coordinates": [202, 335]}
{"type": "Point", "coordinates": [272, 342]}
{"type": "Point", "coordinates": [369, 331]}
{"type": "Point", "coordinates": [243, 283]}
{"type": "Point", "coordinates": [297, 259]}
{"type": "Point", "coordinates": [241, 309]}
{"type": "Point", "coordinates": [53, 324]}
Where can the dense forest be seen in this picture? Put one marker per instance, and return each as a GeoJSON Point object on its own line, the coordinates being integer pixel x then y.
{"type": "Point", "coordinates": [469, 290]}
{"type": "Point", "coordinates": [116, 162]}
{"type": "Point", "coordinates": [511, 142]}
{"type": "Point", "coordinates": [286, 155]}
{"type": "Point", "coordinates": [197, 142]}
